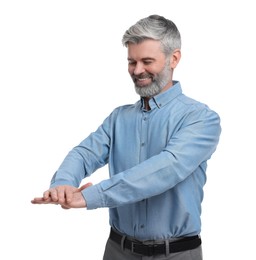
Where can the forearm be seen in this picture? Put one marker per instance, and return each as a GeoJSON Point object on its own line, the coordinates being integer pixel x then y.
{"type": "Point", "coordinates": [83, 160]}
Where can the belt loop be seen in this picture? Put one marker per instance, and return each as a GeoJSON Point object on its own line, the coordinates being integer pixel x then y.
{"type": "Point", "coordinates": [122, 242]}
{"type": "Point", "coordinates": [167, 248]}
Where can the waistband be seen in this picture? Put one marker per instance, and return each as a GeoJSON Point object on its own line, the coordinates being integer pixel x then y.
{"type": "Point", "coordinates": [151, 248]}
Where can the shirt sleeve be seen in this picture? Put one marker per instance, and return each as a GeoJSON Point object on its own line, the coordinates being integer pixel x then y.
{"type": "Point", "coordinates": [91, 154]}
{"type": "Point", "coordinates": [192, 145]}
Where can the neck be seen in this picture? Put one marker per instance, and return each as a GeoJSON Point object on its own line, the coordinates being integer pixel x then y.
{"type": "Point", "coordinates": [146, 103]}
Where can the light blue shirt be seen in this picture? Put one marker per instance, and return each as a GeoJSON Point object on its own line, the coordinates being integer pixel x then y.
{"type": "Point", "coordinates": [157, 164]}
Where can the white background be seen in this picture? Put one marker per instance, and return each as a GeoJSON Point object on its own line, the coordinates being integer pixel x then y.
{"type": "Point", "coordinates": [63, 69]}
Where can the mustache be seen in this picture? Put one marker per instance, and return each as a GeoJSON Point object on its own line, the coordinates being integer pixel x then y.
{"type": "Point", "coordinates": [143, 76]}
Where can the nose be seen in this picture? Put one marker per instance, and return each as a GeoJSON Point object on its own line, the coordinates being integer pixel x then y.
{"type": "Point", "coordinates": [138, 69]}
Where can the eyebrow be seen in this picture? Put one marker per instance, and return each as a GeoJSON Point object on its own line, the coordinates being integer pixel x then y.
{"type": "Point", "coordinates": [143, 59]}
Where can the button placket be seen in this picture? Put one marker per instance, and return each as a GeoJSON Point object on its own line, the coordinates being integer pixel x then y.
{"type": "Point", "coordinates": [144, 133]}
{"type": "Point", "coordinates": [143, 157]}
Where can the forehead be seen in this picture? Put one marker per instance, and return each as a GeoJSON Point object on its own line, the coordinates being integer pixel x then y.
{"type": "Point", "coordinates": [148, 48]}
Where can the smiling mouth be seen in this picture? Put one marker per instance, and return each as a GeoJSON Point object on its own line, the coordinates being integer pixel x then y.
{"type": "Point", "coordinates": [142, 79]}
{"type": "Point", "coordinates": [141, 82]}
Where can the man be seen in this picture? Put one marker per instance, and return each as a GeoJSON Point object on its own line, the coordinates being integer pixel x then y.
{"type": "Point", "coordinates": [157, 151]}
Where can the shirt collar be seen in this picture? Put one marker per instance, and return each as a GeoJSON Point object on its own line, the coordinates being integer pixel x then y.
{"type": "Point", "coordinates": [165, 97]}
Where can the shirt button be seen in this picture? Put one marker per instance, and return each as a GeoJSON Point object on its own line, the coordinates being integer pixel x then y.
{"type": "Point", "coordinates": [145, 119]}
{"type": "Point", "coordinates": [142, 226]}
{"type": "Point", "coordinates": [142, 144]}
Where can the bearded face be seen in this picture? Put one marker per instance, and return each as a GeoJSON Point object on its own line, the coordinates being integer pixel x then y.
{"type": "Point", "coordinates": [148, 85]}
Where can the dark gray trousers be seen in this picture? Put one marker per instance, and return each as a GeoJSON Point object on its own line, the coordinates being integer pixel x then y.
{"type": "Point", "coordinates": [113, 251]}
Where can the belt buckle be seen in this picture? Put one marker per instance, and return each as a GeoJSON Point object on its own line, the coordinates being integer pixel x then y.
{"type": "Point", "coordinates": [142, 249]}
{"type": "Point", "coordinates": [133, 248]}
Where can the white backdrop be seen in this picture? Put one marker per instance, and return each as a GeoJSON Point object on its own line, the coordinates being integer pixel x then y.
{"type": "Point", "coordinates": [63, 69]}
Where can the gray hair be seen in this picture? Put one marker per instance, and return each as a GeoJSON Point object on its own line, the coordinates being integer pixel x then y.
{"type": "Point", "coordinates": [157, 28]}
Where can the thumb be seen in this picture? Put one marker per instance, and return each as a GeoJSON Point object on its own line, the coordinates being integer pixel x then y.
{"type": "Point", "coordinates": [85, 186]}
{"type": "Point", "coordinates": [64, 207]}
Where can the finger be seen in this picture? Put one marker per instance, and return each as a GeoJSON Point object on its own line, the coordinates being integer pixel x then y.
{"type": "Point", "coordinates": [37, 200]}
{"type": "Point", "coordinates": [69, 192]}
{"type": "Point", "coordinates": [53, 194]}
{"type": "Point", "coordinates": [46, 194]}
{"type": "Point", "coordinates": [41, 200]}
{"type": "Point", "coordinates": [64, 207]}
{"type": "Point", "coordinates": [85, 186]}
{"type": "Point", "coordinates": [61, 195]}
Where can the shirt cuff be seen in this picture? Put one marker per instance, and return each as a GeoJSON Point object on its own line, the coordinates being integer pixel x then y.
{"type": "Point", "coordinates": [92, 197]}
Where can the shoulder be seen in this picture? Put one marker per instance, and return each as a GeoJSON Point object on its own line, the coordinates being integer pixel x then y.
{"type": "Point", "coordinates": [123, 111]}
{"type": "Point", "coordinates": [127, 108]}
{"type": "Point", "coordinates": [192, 110]}
{"type": "Point", "coordinates": [191, 104]}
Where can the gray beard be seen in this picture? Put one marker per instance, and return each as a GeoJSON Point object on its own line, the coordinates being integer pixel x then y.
{"type": "Point", "coordinates": [148, 91]}
{"type": "Point", "coordinates": [157, 85]}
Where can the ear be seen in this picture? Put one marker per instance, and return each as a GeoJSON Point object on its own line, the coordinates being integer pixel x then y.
{"type": "Point", "coordinates": [175, 58]}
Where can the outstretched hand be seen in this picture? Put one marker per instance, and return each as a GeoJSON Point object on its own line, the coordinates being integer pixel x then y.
{"type": "Point", "coordinates": [64, 195]}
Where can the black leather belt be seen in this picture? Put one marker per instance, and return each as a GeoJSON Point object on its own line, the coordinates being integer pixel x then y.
{"type": "Point", "coordinates": [140, 248]}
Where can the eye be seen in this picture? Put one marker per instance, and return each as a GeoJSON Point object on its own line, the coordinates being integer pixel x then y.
{"type": "Point", "coordinates": [147, 62]}
{"type": "Point", "coordinates": [131, 62]}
